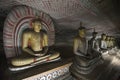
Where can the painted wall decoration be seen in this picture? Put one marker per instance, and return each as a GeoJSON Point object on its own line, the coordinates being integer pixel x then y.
{"type": "Point", "coordinates": [51, 74]}
{"type": "Point", "coordinates": [17, 21]}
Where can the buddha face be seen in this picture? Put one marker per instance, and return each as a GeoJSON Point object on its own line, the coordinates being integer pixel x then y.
{"type": "Point", "coordinates": [104, 37]}
{"type": "Point", "coordinates": [107, 38]}
{"type": "Point", "coordinates": [36, 26]}
{"type": "Point", "coordinates": [94, 35]}
{"type": "Point", "coordinates": [82, 33]}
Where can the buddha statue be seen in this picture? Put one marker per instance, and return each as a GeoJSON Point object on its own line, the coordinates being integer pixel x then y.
{"type": "Point", "coordinates": [83, 62]}
{"type": "Point", "coordinates": [108, 42]}
{"type": "Point", "coordinates": [103, 44]}
{"type": "Point", "coordinates": [112, 42]}
{"type": "Point", "coordinates": [114, 49]}
{"type": "Point", "coordinates": [93, 45]}
{"type": "Point", "coordinates": [34, 47]}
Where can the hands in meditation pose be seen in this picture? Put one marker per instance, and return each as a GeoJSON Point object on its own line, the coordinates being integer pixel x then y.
{"type": "Point", "coordinates": [35, 42]}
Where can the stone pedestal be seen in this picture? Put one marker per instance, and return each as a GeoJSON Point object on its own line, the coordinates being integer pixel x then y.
{"type": "Point", "coordinates": [49, 71]}
{"type": "Point", "coordinates": [80, 71]}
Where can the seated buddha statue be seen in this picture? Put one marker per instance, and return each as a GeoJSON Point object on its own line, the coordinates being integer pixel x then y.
{"type": "Point", "coordinates": [113, 47]}
{"type": "Point", "coordinates": [84, 62]}
{"type": "Point", "coordinates": [112, 42]}
{"type": "Point", "coordinates": [108, 42]}
{"type": "Point", "coordinates": [34, 46]}
{"type": "Point", "coordinates": [103, 44]}
{"type": "Point", "coordinates": [93, 45]}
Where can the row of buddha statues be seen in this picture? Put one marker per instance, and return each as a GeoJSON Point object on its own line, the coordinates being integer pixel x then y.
{"type": "Point", "coordinates": [107, 42]}
{"type": "Point", "coordinates": [35, 49]}
{"type": "Point", "coordinates": [89, 53]}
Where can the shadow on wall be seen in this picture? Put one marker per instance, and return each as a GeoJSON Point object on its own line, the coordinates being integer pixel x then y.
{"type": "Point", "coordinates": [66, 51]}
{"type": "Point", "coordinates": [118, 42]}
{"type": "Point", "coordinates": [2, 19]}
{"type": "Point", "coordinates": [65, 37]}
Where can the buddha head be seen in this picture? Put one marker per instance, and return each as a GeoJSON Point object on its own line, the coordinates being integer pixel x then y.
{"type": "Point", "coordinates": [103, 36]}
{"type": "Point", "coordinates": [36, 24]}
{"type": "Point", "coordinates": [112, 38]}
{"type": "Point", "coordinates": [82, 32]}
{"type": "Point", "coordinates": [94, 34]}
{"type": "Point", "coordinates": [108, 38]}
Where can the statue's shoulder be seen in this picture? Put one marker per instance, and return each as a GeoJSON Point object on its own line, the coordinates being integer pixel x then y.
{"type": "Point", "coordinates": [77, 38]}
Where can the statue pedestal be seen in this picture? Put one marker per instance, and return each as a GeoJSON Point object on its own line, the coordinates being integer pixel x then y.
{"type": "Point", "coordinates": [109, 70]}
{"type": "Point", "coordinates": [42, 72]}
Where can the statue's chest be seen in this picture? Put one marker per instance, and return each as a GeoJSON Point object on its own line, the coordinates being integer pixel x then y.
{"type": "Point", "coordinates": [35, 38]}
{"type": "Point", "coordinates": [82, 46]}
{"type": "Point", "coordinates": [82, 43]}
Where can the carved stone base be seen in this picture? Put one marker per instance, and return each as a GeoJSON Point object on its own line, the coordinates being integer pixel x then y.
{"type": "Point", "coordinates": [85, 70]}
{"type": "Point", "coordinates": [66, 76]}
{"type": "Point", "coordinates": [83, 66]}
{"type": "Point", "coordinates": [48, 71]}
{"type": "Point", "coordinates": [109, 70]}
{"type": "Point", "coordinates": [51, 74]}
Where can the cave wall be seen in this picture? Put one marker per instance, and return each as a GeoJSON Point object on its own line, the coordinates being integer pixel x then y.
{"type": "Point", "coordinates": [67, 15]}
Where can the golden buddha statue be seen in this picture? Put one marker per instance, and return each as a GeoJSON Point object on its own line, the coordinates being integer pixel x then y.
{"type": "Point", "coordinates": [34, 46]}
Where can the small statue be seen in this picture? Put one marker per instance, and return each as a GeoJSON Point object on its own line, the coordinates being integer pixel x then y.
{"type": "Point", "coordinates": [112, 42]}
{"type": "Point", "coordinates": [103, 44]}
{"type": "Point", "coordinates": [34, 46]}
{"type": "Point", "coordinates": [113, 50]}
{"type": "Point", "coordinates": [108, 42]}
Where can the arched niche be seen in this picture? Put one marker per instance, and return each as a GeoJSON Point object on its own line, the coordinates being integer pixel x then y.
{"type": "Point", "coordinates": [17, 21]}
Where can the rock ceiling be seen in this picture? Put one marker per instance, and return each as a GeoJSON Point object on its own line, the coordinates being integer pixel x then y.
{"type": "Point", "coordinates": [67, 14]}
